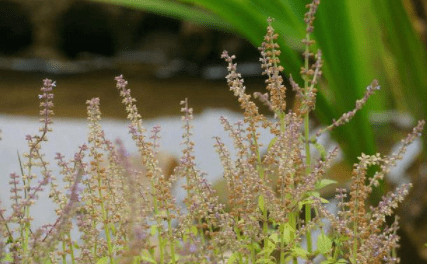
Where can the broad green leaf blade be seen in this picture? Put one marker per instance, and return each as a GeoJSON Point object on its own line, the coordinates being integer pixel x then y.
{"type": "Point", "coordinates": [408, 57]}
{"type": "Point", "coordinates": [324, 243]}
{"type": "Point", "coordinates": [250, 21]}
{"type": "Point", "coordinates": [323, 183]}
{"type": "Point", "coordinates": [345, 76]}
{"type": "Point", "coordinates": [176, 10]}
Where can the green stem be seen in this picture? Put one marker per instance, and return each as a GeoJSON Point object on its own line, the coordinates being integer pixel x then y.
{"type": "Point", "coordinates": [261, 174]}
{"type": "Point", "coordinates": [282, 243]}
{"type": "Point", "coordinates": [265, 231]}
{"type": "Point", "coordinates": [106, 222]}
{"type": "Point", "coordinates": [239, 238]}
{"type": "Point", "coordinates": [156, 212]}
{"type": "Point", "coordinates": [253, 255]}
{"type": "Point", "coordinates": [27, 212]}
{"type": "Point", "coordinates": [172, 241]}
{"type": "Point", "coordinates": [308, 171]}
{"type": "Point", "coordinates": [70, 245]}
{"type": "Point", "coordinates": [355, 229]}
{"type": "Point", "coordinates": [307, 142]}
{"type": "Point", "coordinates": [64, 256]}
{"type": "Point", "coordinates": [293, 224]}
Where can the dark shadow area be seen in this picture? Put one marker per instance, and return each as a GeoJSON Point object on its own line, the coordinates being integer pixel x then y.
{"type": "Point", "coordinates": [156, 23]}
{"type": "Point", "coordinates": [86, 27]}
{"type": "Point", "coordinates": [15, 28]}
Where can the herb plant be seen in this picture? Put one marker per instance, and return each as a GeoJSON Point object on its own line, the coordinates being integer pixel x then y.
{"type": "Point", "coordinates": [122, 219]}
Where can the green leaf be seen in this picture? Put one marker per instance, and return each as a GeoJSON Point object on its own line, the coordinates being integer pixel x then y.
{"type": "Point", "coordinates": [266, 261]}
{"type": "Point", "coordinates": [331, 261]}
{"type": "Point", "coordinates": [176, 259]}
{"type": "Point", "coordinates": [321, 150]}
{"type": "Point", "coordinates": [402, 53]}
{"type": "Point", "coordinates": [324, 243]}
{"type": "Point", "coordinates": [299, 252]}
{"type": "Point", "coordinates": [194, 230]}
{"type": "Point", "coordinates": [267, 250]}
{"type": "Point", "coordinates": [7, 258]}
{"type": "Point", "coordinates": [148, 259]}
{"type": "Point", "coordinates": [103, 260]}
{"type": "Point", "coordinates": [304, 202]}
{"type": "Point", "coordinates": [261, 203]}
{"type": "Point", "coordinates": [323, 200]}
{"type": "Point", "coordinates": [176, 10]}
{"type": "Point", "coordinates": [274, 238]}
{"type": "Point", "coordinates": [324, 182]}
{"type": "Point", "coordinates": [153, 229]}
{"type": "Point", "coordinates": [287, 231]}
{"type": "Point", "coordinates": [118, 248]}
{"type": "Point", "coordinates": [309, 201]}
{"type": "Point", "coordinates": [256, 246]}
{"type": "Point", "coordinates": [233, 258]}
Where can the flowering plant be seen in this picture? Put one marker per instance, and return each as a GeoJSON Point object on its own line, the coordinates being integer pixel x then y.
{"type": "Point", "coordinates": [122, 219]}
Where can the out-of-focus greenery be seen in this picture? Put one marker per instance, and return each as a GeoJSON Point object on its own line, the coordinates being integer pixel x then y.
{"type": "Point", "coordinates": [360, 41]}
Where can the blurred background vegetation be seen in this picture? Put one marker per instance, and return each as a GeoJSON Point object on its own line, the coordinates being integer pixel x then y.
{"type": "Point", "coordinates": [360, 41]}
